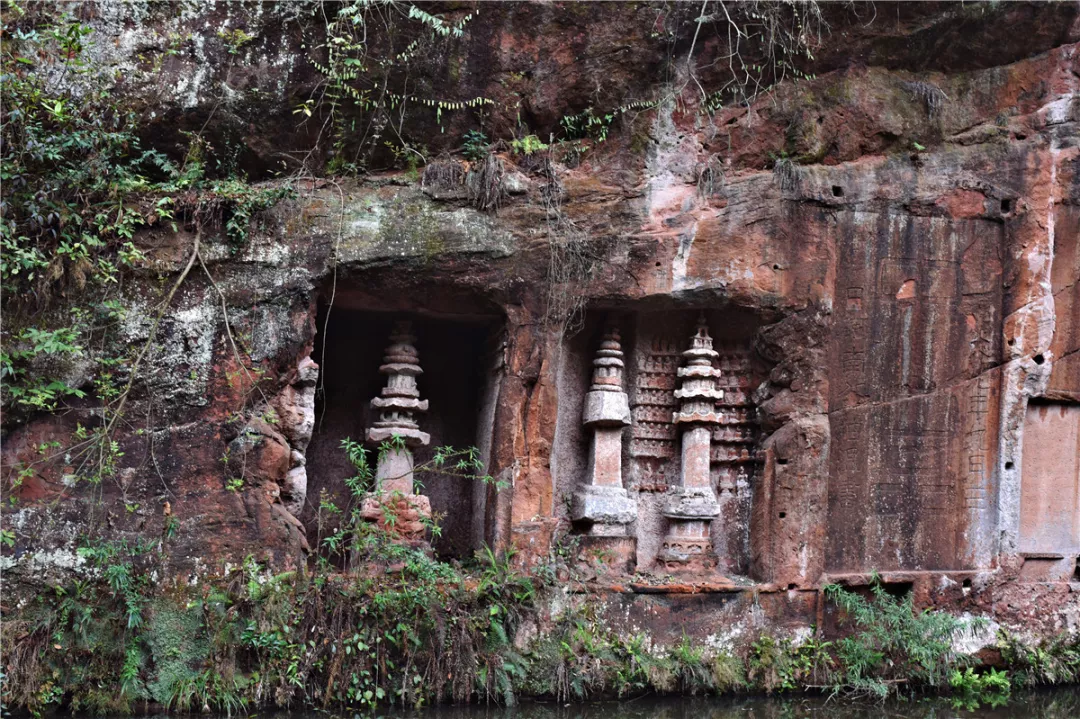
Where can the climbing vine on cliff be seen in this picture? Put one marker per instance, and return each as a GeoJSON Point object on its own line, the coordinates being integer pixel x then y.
{"type": "Point", "coordinates": [78, 184]}
{"type": "Point", "coordinates": [766, 42]}
{"type": "Point", "coordinates": [369, 86]}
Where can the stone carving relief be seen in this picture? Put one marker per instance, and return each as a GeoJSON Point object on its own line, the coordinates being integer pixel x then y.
{"type": "Point", "coordinates": [653, 438]}
{"type": "Point", "coordinates": [602, 502]}
{"type": "Point", "coordinates": [735, 438]}
{"type": "Point", "coordinates": [397, 406]}
{"type": "Point", "coordinates": [735, 457]}
{"type": "Point", "coordinates": [691, 506]}
{"type": "Point", "coordinates": [601, 506]}
{"type": "Point", "coordinates": [657, 443]}
{"type": "Point", "coordinates": [295, 407]}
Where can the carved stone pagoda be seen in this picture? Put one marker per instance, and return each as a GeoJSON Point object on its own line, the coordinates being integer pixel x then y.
{"type": "Point", "coordinates": [691, 506]}
{"type": "Point", "coordinates": [398, 405]}
{"type": "Point", "coordinates": [602, 505]}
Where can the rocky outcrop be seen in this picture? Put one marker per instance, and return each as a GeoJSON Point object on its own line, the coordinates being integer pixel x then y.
{"type": "Point", "coordinates": [897, 273]}
{"type": "Point", "coordinates": [295, 410]}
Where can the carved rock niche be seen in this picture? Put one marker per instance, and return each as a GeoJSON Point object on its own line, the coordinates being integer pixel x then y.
{"type": "Point", "coordinates": [431, 379]}
{"type": "Point", "coordinates": [660, 390]}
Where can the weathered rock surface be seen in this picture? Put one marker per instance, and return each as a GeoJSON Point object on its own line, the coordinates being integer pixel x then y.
{"type": "Point", "coordinates": [907, 295]}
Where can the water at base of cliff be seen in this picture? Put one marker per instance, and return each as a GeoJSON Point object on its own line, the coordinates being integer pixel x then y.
{"type": "Point", "coordinates": [1056, 703]}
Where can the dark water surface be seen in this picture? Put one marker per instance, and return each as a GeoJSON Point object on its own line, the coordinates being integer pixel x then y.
{"type": "Point", "coordinates": [1061, 703]}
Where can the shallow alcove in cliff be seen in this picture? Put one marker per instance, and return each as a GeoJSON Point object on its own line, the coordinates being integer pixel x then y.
{"type": "Point", "coordinates": [455, 353]}
{"type": "Point", "coordinates": [653, 341]}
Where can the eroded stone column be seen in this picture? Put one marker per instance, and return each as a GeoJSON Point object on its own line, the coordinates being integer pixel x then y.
{"type": "Point", "coordinates": [398, 405]}
{"type": "Point", "coordinates": [691, 507]}
{"type": "Point", "coordinates": [602, 505]}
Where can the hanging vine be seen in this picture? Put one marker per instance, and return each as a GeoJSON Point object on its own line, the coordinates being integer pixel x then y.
{"type": "Point", "coordinates": [78, 185]}
{"type": "Point", "coordinates": [369, 85]}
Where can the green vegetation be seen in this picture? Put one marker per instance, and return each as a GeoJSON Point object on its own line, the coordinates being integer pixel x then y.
{"type": "Point", "coordinates": [78, 184]}
{"type": "Point", "coordinates": [894, 644]}
{"type": "Point", "coordinates": [235, 39]}
{"type": "Point", "coordinates": [589, 124]}
{"type": "Point", "coordinates": [971, 690]}
{"type": "Point", "coordinates": [785, 665]}
{"type": "Point", "coordinates": [1052, 661]}
{"type": "Point", "coordinates": [352, 532]}
{"type": "Point", "coordinates": [528, 145]}
{"type": "Point", "coordinates": [373, 50]}
{"type": "Point", "coordinates": [366, 92]}
{"type": "Point", "coordinates": [410, 630]}
{"type": "Point", "coordinates": [475, 146]}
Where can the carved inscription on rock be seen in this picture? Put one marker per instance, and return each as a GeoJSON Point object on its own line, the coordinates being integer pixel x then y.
{"type": "Point", "coordinates": [653, 436]}
{"type": "Point", "coordinates": [894, 489]}
{"type": "Point", "coordinates": [915, 329]}
{"type": "Point", "coordinates": [975, 489]}
{"type": "Point", "coordinates": [918, 306]}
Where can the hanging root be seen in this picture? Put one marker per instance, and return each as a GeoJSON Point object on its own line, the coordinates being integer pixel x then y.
{"type": "Point", "coordinates": [786, 174]}
{"type": "Point", "coordinates": [484, 183]}
{"type": "Point", "coordinates": [442, 174]}
{"type": "Point", "coordinates": [711, 177]}
{"type": "Point", "coordinates": [570, 262]}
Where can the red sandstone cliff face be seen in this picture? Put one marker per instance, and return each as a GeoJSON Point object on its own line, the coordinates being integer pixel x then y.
{"type": "Point", "coordinates": [908, 286]}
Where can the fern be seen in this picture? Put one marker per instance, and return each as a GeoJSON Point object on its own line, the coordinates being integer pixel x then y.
{"type": "Point", "coordinates": [894, 643]}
